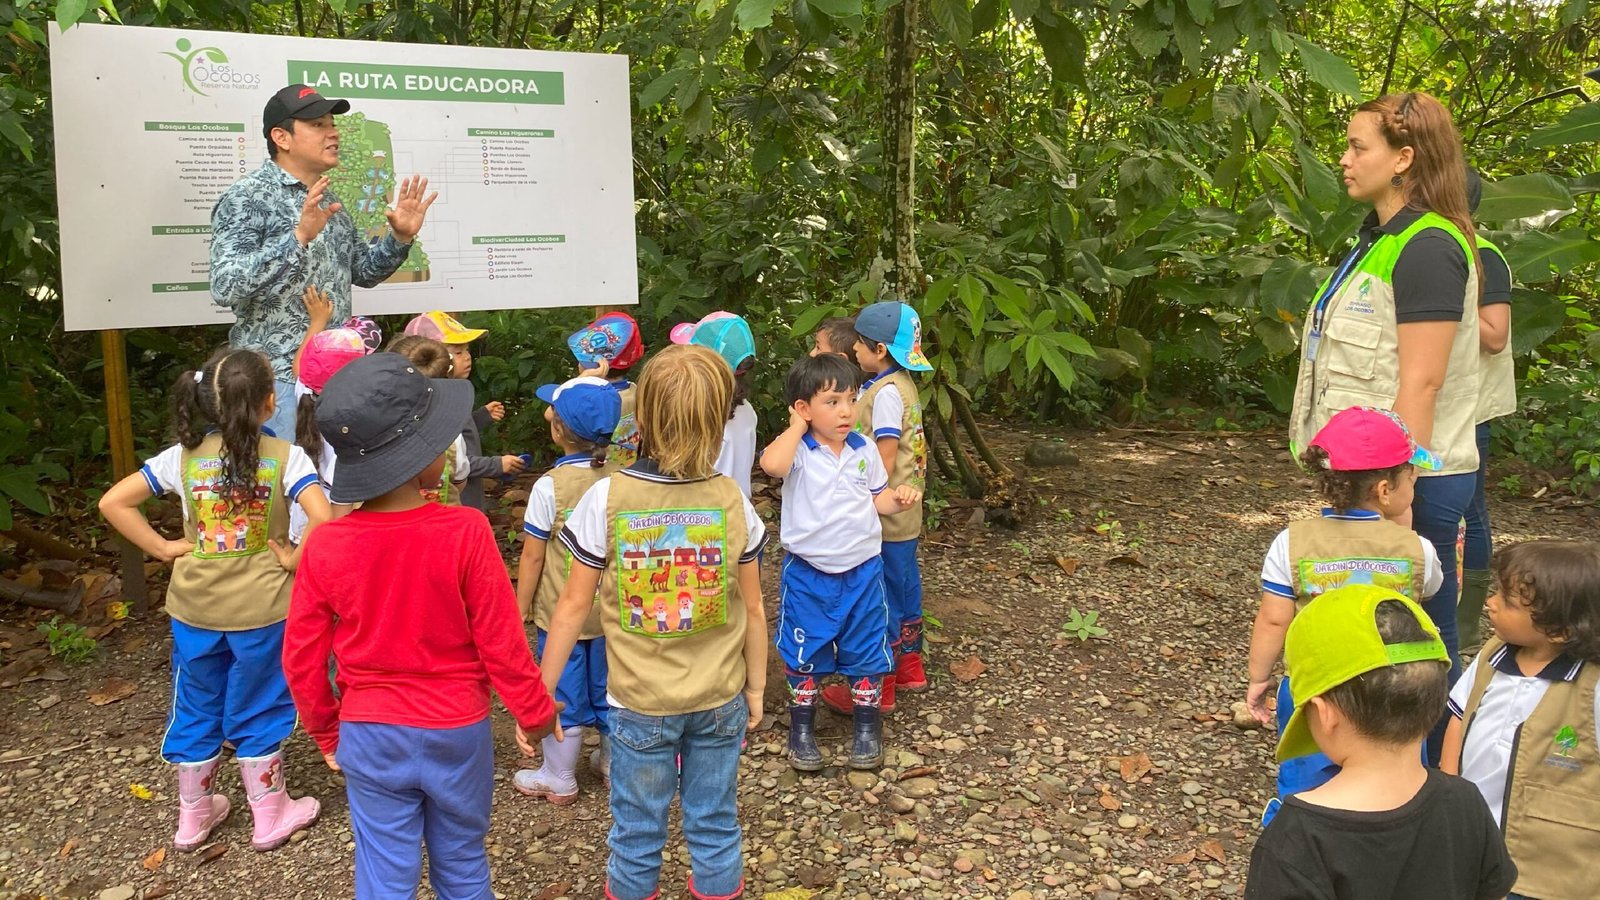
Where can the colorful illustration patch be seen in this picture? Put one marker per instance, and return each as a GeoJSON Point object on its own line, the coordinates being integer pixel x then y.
{"type": "Point", "coordinates": [223, 528]}
{"type": "Point", "coordinates": [1317, 576]}
{"type": "Point", "coordinates": [624, 443]}
{"type": "Point", "coordinates": [672, 581]}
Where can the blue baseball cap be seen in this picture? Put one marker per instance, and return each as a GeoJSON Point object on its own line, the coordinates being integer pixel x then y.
{"type": "Point", "coordinates": [896, 326]}
{"type": "Point", "coordinates": [726, 333]}
{"type": "Point", "coordinates": [588, 406]}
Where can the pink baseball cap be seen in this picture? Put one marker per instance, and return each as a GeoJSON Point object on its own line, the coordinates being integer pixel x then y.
{"type": "Point", "coordinates": [328, 352]}
{"type": "Point", "coordinates": [1363, 438]}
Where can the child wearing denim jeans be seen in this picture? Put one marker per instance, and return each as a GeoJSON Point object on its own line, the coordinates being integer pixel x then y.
{"type": "Point", "coordinates": [671, 536]}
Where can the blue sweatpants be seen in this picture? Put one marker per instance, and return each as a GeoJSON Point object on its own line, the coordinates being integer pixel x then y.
{"type": "Point", "coordinates": [902, 576]}
{"type": "Point", "coordinates": [227, 685]}
{"type": "Point", "coordinates": [1303, 772]}
{"type": "Point", "coordinates": [834, 622]}
{"type": "Point", "coordinates": [413, 786]}
{"type": "Point", "coordinates": [583, 684]}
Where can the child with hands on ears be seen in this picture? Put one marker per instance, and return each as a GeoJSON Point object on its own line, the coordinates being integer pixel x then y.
{"type": "Point", "coordinates": [834, 614]}
{"type": "Point", "coordinates": [229, 593]}
{"type": "Point", "coordinates": [1365, 464]}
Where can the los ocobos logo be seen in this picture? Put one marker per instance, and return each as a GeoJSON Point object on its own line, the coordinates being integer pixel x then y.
{"type": "Point", "coordinates": [207, 68]}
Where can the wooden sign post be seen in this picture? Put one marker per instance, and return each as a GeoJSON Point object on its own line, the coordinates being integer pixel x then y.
{"type": "Point", "coordinates": [119, 431]}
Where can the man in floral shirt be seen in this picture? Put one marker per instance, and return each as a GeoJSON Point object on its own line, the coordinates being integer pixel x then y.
{"type": "Point", "coordinates": [280, 229]}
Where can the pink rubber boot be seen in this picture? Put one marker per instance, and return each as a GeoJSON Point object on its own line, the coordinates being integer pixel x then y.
{"type": "Point", "coordinates": [200, 807]}
{"type": "Point", "coordinates": [277, 815]}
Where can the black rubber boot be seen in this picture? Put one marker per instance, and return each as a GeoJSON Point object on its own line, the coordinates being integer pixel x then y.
{"type": "Point", "coordinates": [803, 753]}
{"type": "Point", "coordinates": [866, 751]}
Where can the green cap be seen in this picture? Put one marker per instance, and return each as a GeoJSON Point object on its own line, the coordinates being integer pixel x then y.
{"type": "Point", "coordinates": [1334, 639]}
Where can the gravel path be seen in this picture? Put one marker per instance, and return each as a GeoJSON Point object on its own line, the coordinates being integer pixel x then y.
{"type": "Point", "coordinates": [1065, 768]}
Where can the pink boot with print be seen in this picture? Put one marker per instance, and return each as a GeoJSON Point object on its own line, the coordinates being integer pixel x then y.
{"type": "Point", "coordinates": [277, 815]}
{"type": "Point", "coordinates": [200, 807]}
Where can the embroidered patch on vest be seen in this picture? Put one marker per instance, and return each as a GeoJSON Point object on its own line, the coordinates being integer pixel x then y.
{"type": "Point", "coordinates": [672, 580]}
{"type": "Point", "coordinates": [1318, 576]}
{"type": "Point", "coordinates": [228, 528]}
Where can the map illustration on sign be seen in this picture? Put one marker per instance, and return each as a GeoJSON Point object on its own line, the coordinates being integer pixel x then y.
{"type": "Point", "coordinates": [364, 181]}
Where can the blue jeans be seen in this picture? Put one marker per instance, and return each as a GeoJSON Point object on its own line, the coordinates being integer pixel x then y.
{"type": "Point", "coordinates": [644, 779]}
{"type": "Point", "coordinates": [1437, 514]}
{"type": "Point", "coordinates": [409, 786]}
{"type": "Point", "coordinates": [282, 421]}
{"type": "Point", "coordinates": [227, 685]}
{"type": "Point", "coordinates": [1480, 543]}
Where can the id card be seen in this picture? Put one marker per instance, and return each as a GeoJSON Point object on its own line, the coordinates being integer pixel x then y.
{"type": "Point", "coordinates": [1313, 338]}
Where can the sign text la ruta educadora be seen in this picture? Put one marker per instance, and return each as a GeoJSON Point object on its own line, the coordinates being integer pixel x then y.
{"type": "Point", "coordinates": [400, 82]}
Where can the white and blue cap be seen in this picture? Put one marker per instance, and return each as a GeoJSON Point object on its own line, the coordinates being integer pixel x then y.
{"type": "Point", "coordinates": [588, 406]}
{"type": "Point", "coordinates": [895, 325]}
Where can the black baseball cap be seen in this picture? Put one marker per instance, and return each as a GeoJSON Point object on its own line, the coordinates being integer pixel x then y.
{"type": "Point", "coordinates": [386, 422]}
{"type": "Point", "coordinates": [297, 101]}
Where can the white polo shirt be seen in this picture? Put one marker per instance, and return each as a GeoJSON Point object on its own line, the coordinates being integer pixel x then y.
{"type": "Point", "coordinates": [828, 518]}
{"type": "Point", "coordinates": [1508, 701]}
{"type": "Point", "coordinates": [738, 456]}
{"type": "Point", "coordinates": [888, 408]}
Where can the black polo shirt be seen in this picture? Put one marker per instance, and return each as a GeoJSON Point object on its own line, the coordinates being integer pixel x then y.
{"type": "Point", "coordinates": [1430, 277]}
{"type": "Point", "coordinates": [1496, 278]}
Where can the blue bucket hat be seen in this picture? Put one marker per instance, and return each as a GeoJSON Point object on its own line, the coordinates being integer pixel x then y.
{"type": "Point", "coordinates": [588, 406]}
{"type": "Point", "coordinates": [895, 325]}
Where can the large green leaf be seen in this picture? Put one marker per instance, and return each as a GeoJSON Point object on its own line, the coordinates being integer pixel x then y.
{"type": "Point", "coordinates": [1539, 256]}
{"type": "Point", "coordinates": [954, 18]}
{"type": "Point", "coordinates": [750, 15]}
{"type": "Point", "coordinates": [1535, 316]}
{"type": "Point", "coordinates": [1064, 49]}
{"type": "Point", "coordinates": [839, 9]}
{"type": "Point", "coordinates": [1327, 69]}
{"type": "Point", "coordinates": [1522, 195]}
{"type": "Point", "coordinates": [70, 11]}
{"type": "Point", "coordinates": [1581, 125]}
{"type": "Point", "coordinates": [657, 90]}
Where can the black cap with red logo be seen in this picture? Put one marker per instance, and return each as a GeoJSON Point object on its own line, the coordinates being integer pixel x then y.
{"type": "Point", "coordinates": [297, 101]}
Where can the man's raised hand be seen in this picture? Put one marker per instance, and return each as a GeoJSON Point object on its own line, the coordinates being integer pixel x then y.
{"type": "Point", "coordinates": [410, 207]}
{"type": "Point", "coordinates": [313, 215]}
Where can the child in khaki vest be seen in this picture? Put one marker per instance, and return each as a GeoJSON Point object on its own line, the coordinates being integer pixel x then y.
{"type": "Point", "coordinates": [1523, 725]}
{"type": "Point", "coordinates": [888, 349]}
{"type": "Point", "coordinates": [1370, 675]}
{"type": "Point", "coordinates": [582, 414]}
{"type": "Point", "coordinates": [1365, 463]}
{"type": "Point", "coordinates": [229, 595]}
{"type": "Point", "coordinates": [671, 536]}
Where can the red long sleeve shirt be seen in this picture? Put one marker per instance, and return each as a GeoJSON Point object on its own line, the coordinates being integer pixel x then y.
{"type": "Point", "coordinates": [420, 615]}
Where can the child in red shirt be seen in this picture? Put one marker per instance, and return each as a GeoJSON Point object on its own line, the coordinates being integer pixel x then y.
{"type": "Point", "coordinates": [413, 601]}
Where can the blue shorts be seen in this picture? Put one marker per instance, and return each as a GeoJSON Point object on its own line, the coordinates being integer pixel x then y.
{"type": "Point", "coordinates": [903, 578]}
{"type": "Point", "coordinates": [583, 684]}
{"type": "Point", "coordinates": [227, 685]}
{"type": "Point", "coordinates": [834, 622]}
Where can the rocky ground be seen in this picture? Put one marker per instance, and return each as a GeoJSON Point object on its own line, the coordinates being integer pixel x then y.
{"type": "Point", "coordinates": [1041, 765]}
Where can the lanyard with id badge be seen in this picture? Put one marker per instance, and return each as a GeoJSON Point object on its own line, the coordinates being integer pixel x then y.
{"type": "Point", "coordinates": [1319, 310]}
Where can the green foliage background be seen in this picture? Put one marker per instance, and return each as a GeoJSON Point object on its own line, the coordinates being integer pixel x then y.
{"type": "Point", "coordinates": [1124, 205]}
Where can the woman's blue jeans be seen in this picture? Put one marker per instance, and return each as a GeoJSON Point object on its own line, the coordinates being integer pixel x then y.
{"type": "Point", "coordinates": [1437, 514]}
{"type": "Point", "coordinates": [644, 779]}
{"type": "Point", "coordinates": [1480, 541]}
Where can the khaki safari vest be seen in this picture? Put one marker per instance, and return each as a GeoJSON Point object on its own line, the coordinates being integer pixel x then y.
{"type": "Point", "coordinates": [1329, 553]}
{"type": "Point", "coordinates": [911, 457]}
{"type": "Point", "coordinates": [232, 581]}
{"type": "Point", "coordinates": [624, 450]}
{"type": "Point", "coordinates": [1497, 372]}
{"type": "Point", "coordinates": [571, 482]}
{"type": "Point", "coordinates": [1551, 818]}
{"type": "Point", "coordinates": [670, 605]}
{"type": "Point", "coordinates": [1357, 360]}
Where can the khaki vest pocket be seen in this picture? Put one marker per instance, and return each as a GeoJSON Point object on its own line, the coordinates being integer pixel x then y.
{"type": "Point", "coordinates": [1351, 346]}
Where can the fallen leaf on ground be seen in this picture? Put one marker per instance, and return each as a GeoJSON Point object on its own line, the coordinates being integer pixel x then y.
{"type": "Point", "coordinates": [1110, 801]}
{"type": "Point", "coordinates": [1179, 859]}
{"type": "Point", "coordinates": [212, 853]}
{"type": "Point", "coordinates": [968, 669]}
{"type": "Point", "coordinates": [1128, 559]}
{"type": "Point", "coordinates": [794, 893]}
{"type": "Point", "coordinates": [552, 891]}
{"type": "Point", "coordinates": [140, 791]}
{"type": "Point", "coordinates": [918, 772]}
{"type": "Point", "coordinates": [1069, 564]}
{"type": "Point", "coordinates": [158, 890]}
{"type": "Point", "coordinates": [1214, 850]}
{"type": "Point", "coordinates": [112, 690]}
{"type": "Point", "coordinates": [155, 859]}
{"type": "Point", "coordinates": [1136, 766]}
{"type": "Point", "coordinates": [68, 847]}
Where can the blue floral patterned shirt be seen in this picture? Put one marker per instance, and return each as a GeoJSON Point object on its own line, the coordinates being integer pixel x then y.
{"type": "Point", "coordinates": [260, 271]}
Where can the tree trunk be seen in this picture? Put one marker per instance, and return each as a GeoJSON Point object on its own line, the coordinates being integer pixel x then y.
{"type": "Point", "coordinates": [901, 141]}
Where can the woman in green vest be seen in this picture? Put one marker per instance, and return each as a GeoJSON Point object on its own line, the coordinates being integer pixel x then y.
{"type": "Point", "coordinates": [1396, 325]}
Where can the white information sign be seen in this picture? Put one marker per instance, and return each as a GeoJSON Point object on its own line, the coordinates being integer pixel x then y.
{"type": "Point", "coordinates": [530, 152]}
